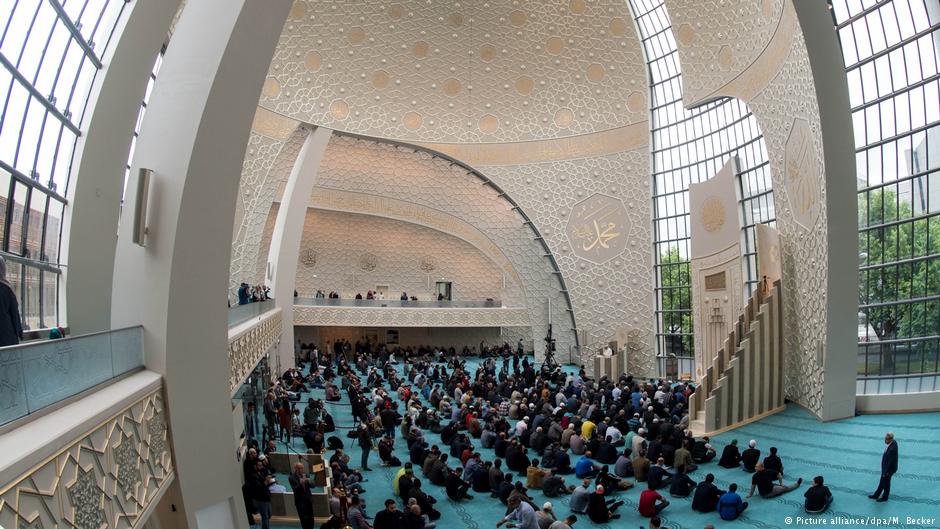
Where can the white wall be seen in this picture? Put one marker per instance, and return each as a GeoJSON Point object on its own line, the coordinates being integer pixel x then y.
{"type": "Point", "coordinates": [341, 242]}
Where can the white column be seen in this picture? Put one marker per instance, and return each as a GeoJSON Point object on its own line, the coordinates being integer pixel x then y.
{"type": "Point", "coordinates": [832, 93]}
{"type": "Point", "coordinates": [194, 138]}
{"type": "Point", "coordinates": [88, 233]}
{"type": "Point", "coordinates": [288, 231]}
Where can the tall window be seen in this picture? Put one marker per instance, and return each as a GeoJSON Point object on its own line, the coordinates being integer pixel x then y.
{"type": "Point", "coordinates": [50, 51]}
{"type": "Point", "coordinates": [689, 146]}
{"type": "Point", "coordinates": [891, 50]}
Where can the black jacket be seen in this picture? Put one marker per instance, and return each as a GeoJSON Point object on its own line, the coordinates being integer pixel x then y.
{"type": "Point", "coordinates": [889, 460]}
{"type": "Point", "coordinates": [11, 328]}
{"type": "Point", "coordinates": [302, 499]}
{"type": "Point", "coordinates": [597, 509]}
{"type": "Point", "coordinates": [730, 457]}
{"type": "Point", "coordinates": [682, 486]}
{"type": "Point", "coordinates": [386, 519]}
{"type": "Point", "coordinates": [749, 458]}
{"type": "Point", "coordinates": [706, 497]}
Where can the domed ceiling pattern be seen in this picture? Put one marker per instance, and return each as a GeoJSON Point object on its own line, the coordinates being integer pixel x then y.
{"type": "Point", "coordinates": [469, 72]}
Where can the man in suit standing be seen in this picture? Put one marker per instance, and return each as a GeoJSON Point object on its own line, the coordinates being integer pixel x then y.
{"type": "Point", "coordinates": [300, 485]}
{"type": "Point", "coordinates": [889, 465]}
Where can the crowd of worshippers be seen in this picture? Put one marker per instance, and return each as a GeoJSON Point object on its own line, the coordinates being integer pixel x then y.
{"type": "Point", "coordinates": [563, 434]}
{"type": "Point", "coordinates": [251, 294]}
{"type": "Point", "coordinates": [365, 353]}
{"type": "Point", "coordinates": [377, 295]}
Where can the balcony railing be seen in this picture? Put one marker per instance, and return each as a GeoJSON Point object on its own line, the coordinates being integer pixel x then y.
{"type": "Point", "coordinates": [38, 374]}
{"type": "Point", "coordinates": [242, 313]}
{"type": "Point", "coordinates": [447, 304]}
{"type": "Point", "coordinates": [892, 384]}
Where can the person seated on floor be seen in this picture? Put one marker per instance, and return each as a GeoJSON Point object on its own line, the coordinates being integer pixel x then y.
{"type": "Point", "coordinates": [763, 481]}
{"type": "Point", "coordinates": [439, 471]}
{"type": "Point", "coordinates": [519, 491]}
{"type": "Point", "coordinates": [659, 477]}
{"type": "Point", "coordinates": [425, 501]}
{"type": "Point", "coordinates": [504, 489]}
{"type": "Point", "coordinates": [683, 457]}
{"type": "Point", "coordinates": [818, 497]}
{"type": "Point", "coordinates": [405, 482]}
{"type": "Point", "coordinates": [546, 516]}
{"type": "Point", "coordinates": [706, 495]}
{"type": "Point", "coordinates": [772, 461]}
{"type": "Point", "coordinates": [702, 450]}
{"type": "Point", "coordinates": [750, 457]}
{"type": "Point", "coordinates": [623, 467]}
{"type": "Point", "coordinates": [554, 485]}
{"type": "Point", "coordinates": [480, 478]}
{"type": "Point", "coordinates": [641, 466]}
{"type": "Point", "coordinates": [332, 393]}
{"type": "Point", "coordinates": [610, 482]}
{"type": "Point", "coordinates": [488, 437]}
{"type": "Point", "coordinates": [730, 456]}
{"type": "Point", "coordinates": [495, 474]}
{"type": "Point", "coordinates": [517, 459]}
{"type": "Point", "coordinates": [600, 509]}
{"type": "Point", "coordinates": [682, 484]}
{"type": "Point", "coordinates": [390, 517]}
{"type": "Point", "coordinates": [521, 515]}
{"type": "Point", "coordinates": [730, 505]}
{"type": "Point", "coordinates": [535, 475]}
{"type": "Point", "coordinates": [580, 497]}
{"type": "Point", "coordinates": [415, 519]}
{"type": "Point", "coordinates": [606, 453]}
{"type": "Point", "coordinates": [651, 503]}
{"type": "Point", "coordinates": [456, 487]}
{"type": "Point", "coordinates": [586, 467]}
{"type": "Point", "coordinates": [386, 447]}
{"type": "Point", "coordinates": [562, 464]}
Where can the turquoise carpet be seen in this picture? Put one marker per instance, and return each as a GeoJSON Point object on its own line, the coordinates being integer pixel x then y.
{"type": "Point", "coordinates": [847, 453]}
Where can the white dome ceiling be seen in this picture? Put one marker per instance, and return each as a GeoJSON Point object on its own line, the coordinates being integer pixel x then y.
{"type": "Point", "coordinates": [463, 72]}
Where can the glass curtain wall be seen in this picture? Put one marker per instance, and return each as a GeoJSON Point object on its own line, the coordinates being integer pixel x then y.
{"type": "Point", "coordinates": [891, 50]}
{"type": "Point", "coordinates": [50, 52]}
{"type": "Point", "coordinates": [690, 146]}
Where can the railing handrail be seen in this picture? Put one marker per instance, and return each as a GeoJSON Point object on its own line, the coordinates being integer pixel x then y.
{"type": "Point", "coordinates": [491, 303]}
{"type": "Point", "coordinates": [887, 377]}
{"type": "Point", "coordinates": [37, 342]}
{"type": "Point", "coordinates": [35, 384]}
{"type": "Point", "coordinates": [238, 314]}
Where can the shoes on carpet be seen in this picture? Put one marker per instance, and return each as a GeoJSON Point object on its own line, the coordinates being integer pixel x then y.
{"type": "Point", "coordinates": [799, 482]}
{"type": "Point", "coordinates": [872, 496]}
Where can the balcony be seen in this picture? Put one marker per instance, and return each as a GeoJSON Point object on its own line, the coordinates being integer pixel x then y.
{"type": "Point", "coordinates": [406, 313]}
{"type": "Point", "coordinates": [39, 374]}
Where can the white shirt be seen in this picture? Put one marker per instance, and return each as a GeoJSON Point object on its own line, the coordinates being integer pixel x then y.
{"type": "Point", "coordinates": [613, 433]}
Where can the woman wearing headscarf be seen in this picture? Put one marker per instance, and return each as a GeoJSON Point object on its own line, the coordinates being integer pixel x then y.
{"type": "Point", "coordinates": [11, 328]}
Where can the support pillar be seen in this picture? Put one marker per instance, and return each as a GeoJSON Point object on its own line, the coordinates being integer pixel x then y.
{"type": "Point", "coordinates": [835, 117]}
{"type": "Point", "coordinates": [194, 138]}
{"type": "Point", "coordinates": [288, 232]}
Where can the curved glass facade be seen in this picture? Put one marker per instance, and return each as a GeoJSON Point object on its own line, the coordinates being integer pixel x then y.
{"type": "Point", "coordinates": [690, 146]}
{"type": "Point", "coordinates": [891, 50]}
{"type": "Point", "coordinates": [50, 52]}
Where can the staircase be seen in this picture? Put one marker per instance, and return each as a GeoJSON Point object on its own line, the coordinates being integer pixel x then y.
{"type": "Point", "coordinates": [745, 379]}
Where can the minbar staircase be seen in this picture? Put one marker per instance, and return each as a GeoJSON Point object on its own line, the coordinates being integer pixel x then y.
{"type": "Point", "coordinates": [745, 379]}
